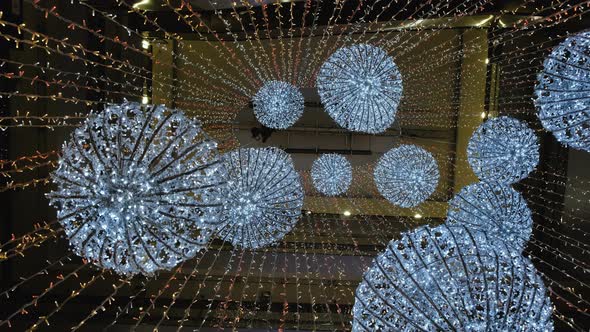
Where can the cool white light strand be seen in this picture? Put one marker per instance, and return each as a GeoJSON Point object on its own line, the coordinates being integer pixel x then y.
{"type": "Point", "coordinates": [451, 278]}
{"type": "Point", "coordinates": [361, 87]}
{"type": "Point", "coordinates": [503, 150]}
{"type": "Point", "coordinates": [331, 174]}
{"type": "Point", "coordinates": [138, 188]}
{"type": "Point", "coordinates": [407, 175]}
{"type": "Point", "coordinates": [265, 197]}
{"type": "Point", "coordinates": [494, 208]}
{"type": "Point", "coordinates": [562, 92]}
{"type": "Point", "coordinates": [278, 105]}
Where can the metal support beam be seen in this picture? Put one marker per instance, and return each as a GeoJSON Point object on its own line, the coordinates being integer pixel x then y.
{"type": "Point", "coordinates": [372, 206]}
{"type": "Point", "coordinates": [472, 105]}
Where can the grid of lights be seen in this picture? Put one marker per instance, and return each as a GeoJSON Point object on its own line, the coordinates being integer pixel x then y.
{"type": "Point", "coordinates": [73, 74]}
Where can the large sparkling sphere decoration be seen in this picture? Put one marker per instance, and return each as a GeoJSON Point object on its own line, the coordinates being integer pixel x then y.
{"type": "Point", "coordinates": [360, 87]}
{"type": "Point", "coordinates": [278, 105]}
{"type": "Point", "coordinates": [407, 175]}
{"type": "Point", "coordinates": [494, 208]}
{"type": "Point", "coordinates": [331, 174]}
{"type": "Point", "coordinates": [265, 197]}
{"type": "Point", "coordinates": [504, 150]}
{"type": "Point", "coordinates": [138, 190]}
{"type": "Point", "coordinates": [451, 278]}
{"type": "Point", "coordinates": [562, 92]}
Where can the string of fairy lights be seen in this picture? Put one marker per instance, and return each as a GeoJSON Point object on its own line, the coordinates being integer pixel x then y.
{"type": "Point", "coordinates": [257, 54]}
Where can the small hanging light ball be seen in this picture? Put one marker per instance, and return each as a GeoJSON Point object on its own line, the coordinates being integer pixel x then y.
{"type": "Point", "coordinates": [503, 150]}
{"type": "Point", "coordinates": [494, 208]}
{"type": "Point", "coordinates": [331, 174]}
{"type": "Point", "coordinates": [278, 105]}
{"type": "Point", "coordinates": [361, 87]}
{"type": "Point", "coordinates": [407, 175]}
{"type": "Point", "coordinates": [265, 197]}
{"type": "Point", "coordinates": [451, 278]}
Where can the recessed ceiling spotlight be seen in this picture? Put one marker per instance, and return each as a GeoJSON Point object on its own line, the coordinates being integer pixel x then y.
{"type": "Point", "coordinates": [418, 216]}
{"type": "Point", "coordinates": [347, 213]}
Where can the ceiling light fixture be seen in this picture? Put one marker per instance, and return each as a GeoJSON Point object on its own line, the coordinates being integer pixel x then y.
{"type": "Point", "coordinates": [141, 3]}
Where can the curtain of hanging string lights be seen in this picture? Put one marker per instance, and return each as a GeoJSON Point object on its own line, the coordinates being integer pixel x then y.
{"type": "Point", "coordinates": [209, 59]}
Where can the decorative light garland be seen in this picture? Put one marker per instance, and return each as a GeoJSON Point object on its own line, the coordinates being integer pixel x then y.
{"type": "Point", "coordinates": [215, 100]}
